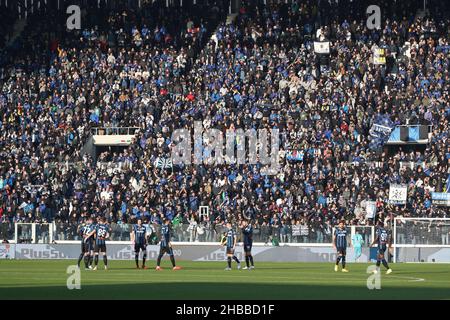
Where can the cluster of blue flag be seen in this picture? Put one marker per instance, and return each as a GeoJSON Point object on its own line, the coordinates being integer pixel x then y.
{"type": "Point", "coordinates": [380, 131]}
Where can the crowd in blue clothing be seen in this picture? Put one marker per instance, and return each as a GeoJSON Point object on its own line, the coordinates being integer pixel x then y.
{"type": "Point", "coordinates": [258, 72]}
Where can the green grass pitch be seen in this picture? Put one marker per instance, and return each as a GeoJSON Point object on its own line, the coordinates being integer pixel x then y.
{"type": "Point", "coordinates": [46, 279]}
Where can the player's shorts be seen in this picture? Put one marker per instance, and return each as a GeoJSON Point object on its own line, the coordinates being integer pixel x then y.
{"type": "Point", "coordinates": [382, 249]}
{"type": "Point", "coordinates": [89, 246]}
{"type": "Point", "coordinates": [342, 250]}
{"type": "Point", "coordinates": [140, 246]}
{"type": "Point", "coordinates": [247, 247]}
{"type": "Point", "coordinates": [100, 248]}
{"type": "Point", "coordinates": [166, 249]}
{"type": "Point", "coordinates": [230, 250]}
{"type": "Point", "coordinates": [358, 252]}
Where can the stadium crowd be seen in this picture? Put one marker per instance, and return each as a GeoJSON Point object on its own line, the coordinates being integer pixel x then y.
{"type": "Point", "coordinates": [161, 70]}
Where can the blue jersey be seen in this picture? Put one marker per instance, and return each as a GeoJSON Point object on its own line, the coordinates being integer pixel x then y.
{"type": "Point", "coordinates": [88, 229]}
{"type": "Point", "coordinates": [340, 238]}
{"type": "Point", "coordinates": [383, 237]}
{"type": "Point", "coordinates": [248, 234]}
{"type": "Point", "coordinates": [81, 232]}
{"type": "Point", "coordinates": [165, 235]}
{"type": "Point", "coordinates": [230, 238]}
{"type": "Point", "coordinates": [139, 234]}
{"type": "Point", "coordinates": [101, 231]}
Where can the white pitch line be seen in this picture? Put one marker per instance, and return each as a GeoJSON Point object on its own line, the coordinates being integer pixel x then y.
{"type": "Point", "coordinates": [413, 279]}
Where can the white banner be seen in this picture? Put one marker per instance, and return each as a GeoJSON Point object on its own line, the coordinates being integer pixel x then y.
{"type": "Point", "coordinates": [379, 56]}
{"type": "Point", "coordinates": [322, 47]}
{"type": "Point", "coordinates": [163, 163]}
{"type": "Point", "coordinates": [371, 209]}
{"type": "Point", "coordinates": [398, 193]}
{"type": "Point", "coordinates": [378, 130]}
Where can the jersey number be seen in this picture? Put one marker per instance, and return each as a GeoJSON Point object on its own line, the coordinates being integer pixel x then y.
{"type": "Point", "coordinates": [101, 233]}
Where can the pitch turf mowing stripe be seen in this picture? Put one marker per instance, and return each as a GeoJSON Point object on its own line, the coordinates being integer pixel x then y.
{"type": "Point", "coordinates": [207, 280]}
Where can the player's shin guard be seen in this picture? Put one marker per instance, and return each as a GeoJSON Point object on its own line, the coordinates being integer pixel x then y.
{"type": "Point", "coordinates": [144, 257]}
{"type": "Point", "coordinates": [338, 259]}
{"type": "Point", "coordinates": [385, 264]}
{"type": "Point", "coordinates": [236, 259]}
{"type": "Point", "coordinates": [343, 262]}
{"type": "Point", "coordinates": [80, 258]}
{"type": "Point", "coordinates": [105, 260]}
{"type": "Point", "coordinates": [96, 260]}
{"type": "Point", "coordinates": [229, 262]}
{"type": "Point", "coordinates": [247, 261]}
{"type": "Point", "coordinates": [172, 259]}
{"type": "Point", "coordinates": [158, 261]}
{"type": "Point", "coordinates": [136, 258]}
{"type": "Point", "coordinates": [250, 257]}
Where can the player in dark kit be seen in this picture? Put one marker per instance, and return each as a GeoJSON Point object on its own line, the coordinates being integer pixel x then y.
{"type": "Point", "coordinates": [230, 240]}
{"type": "Point", "coordinates": [166, 246]}
{"type": "Point", "coordinates": [340, 245]}
{"type": "Point", "coordinates": [80, 231]}
{"type": "Point", "coordinates": [139, 239]}
{"type": "Point", "coordinates": [383, 240]}
{"type": "Point", "coordinates": [247, 231]}
{"type": "Point", "coordinates": [88, 240]}
{"type": "Point", "coordinates": [101, 234]}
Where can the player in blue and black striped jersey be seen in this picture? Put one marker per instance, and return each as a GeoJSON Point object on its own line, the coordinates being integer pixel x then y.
{"type": "Point", "coordinates": [88, 240]}
{"type": "Point", "coordinates": [80, 231]}
{"type": "Point", "coordinates": [247, 232]}
{"type": "Point", "coordinates": [229, 240]}
{"type": "Point", "coordinates": [166, 246]}
{"type": "Point", "coordinates": [101, 234]}
{"type": "Point", "coordinates": [139, 239]}
{"type": "Point", "coordinates": [340, 245]}
{"type": "Point", "coordinates": [383, 241]}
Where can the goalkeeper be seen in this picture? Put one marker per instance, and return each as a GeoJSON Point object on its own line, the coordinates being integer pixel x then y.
{"type": "Point", "coordinates": [357, 241]}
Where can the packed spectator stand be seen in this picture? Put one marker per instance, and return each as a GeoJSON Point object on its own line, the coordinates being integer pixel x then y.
{"type": "Point", "coordinates": [161, 69]}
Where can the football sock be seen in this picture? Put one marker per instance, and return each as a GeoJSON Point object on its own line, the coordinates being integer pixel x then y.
{"type": "Point", "coordinates": [105, 260]}
{"type": "Point", "coordinates": [229, 262]}
{"type": "Point", "coordinates": [385, 264]}
{"type": "Point", "coordinates": [338, 259]}
{"type": "Point", "coordinates": [247, 261]}
{"type": "Point", "coordinates": [343, 262]}
{"type": "Point", "coordinates": [136, 258]}
{"type": "Point", "coordinates": [158, 262]}
{"type": "Point", "coordinates": [96, 260]}
{"type": "Point", "coordinates": [172, 259]}
{"type": "Point", "coordinates": [251, 259]}
{"type": "Point", "coordinates": [80, 258]}
{"type": "Point", "coordinates": [236, 259]}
